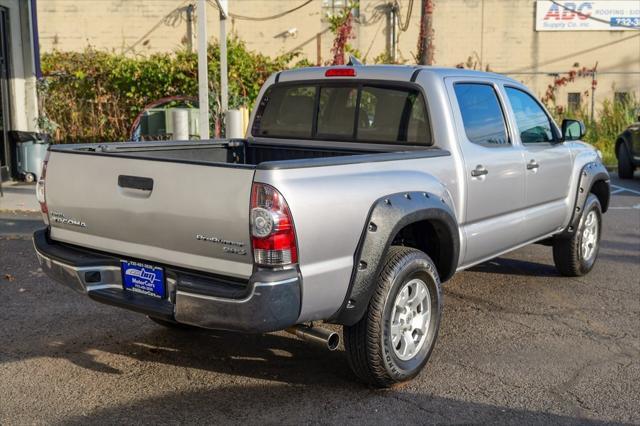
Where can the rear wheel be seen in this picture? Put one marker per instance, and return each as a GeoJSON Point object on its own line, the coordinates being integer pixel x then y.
{"type": "Point", "coordinates": [575, 256]}
{"type": "Point", "coordinates": [394, 339]}
{"type": "Point", "coordinates": [625, 164]}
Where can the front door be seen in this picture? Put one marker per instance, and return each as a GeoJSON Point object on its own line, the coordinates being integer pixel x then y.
{"type": "Point", "coordinates": [494, 170]}
{"type": "Point", "coordinates": [548, 164]}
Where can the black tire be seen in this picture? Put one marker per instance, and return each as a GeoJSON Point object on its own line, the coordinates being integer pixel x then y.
{"type": "Point", "coordinates": [368, 343]}
{"type": "Point", "coordinates": [567, 251]}
{"type": "Point", "coordinates": [172, 324]}
{"type": "Point", "coordinates": [625, 164]}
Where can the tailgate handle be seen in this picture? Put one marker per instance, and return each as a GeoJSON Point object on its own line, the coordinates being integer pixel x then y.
{"type": "Point", "coordinates": [135, 182]}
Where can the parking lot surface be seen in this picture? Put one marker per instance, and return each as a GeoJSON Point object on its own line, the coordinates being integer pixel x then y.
{"type": "Point", "coordinates": [517, 344]}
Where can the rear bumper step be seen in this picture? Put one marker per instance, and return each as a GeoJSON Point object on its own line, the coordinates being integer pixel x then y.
{"type": "Point", "coordinates": [268, 301]}
{"type": "Point", "coordinates": [157, 308]}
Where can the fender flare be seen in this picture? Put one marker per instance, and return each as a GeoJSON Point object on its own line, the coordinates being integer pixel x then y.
{"type": "Point", "coordinates": [386, 218]}
{"type": "Point", "coordinates": [590, 174]}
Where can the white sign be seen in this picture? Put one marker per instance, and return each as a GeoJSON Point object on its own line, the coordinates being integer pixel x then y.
{"type": "Point", "coordinates": [603, 15]}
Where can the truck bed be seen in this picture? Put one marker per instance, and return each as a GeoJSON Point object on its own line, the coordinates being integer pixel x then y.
{"type": "Point", "coordinates": [244, 154]}
{"type": "Point", "coordinates": [238, 152]}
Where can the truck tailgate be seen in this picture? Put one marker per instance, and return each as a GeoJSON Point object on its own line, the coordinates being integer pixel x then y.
{"type": "Point", "coordinates": [195, 216]}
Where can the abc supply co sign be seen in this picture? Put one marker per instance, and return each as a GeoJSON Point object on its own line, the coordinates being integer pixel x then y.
{"type": "Point", "coordinates": [605, 15]}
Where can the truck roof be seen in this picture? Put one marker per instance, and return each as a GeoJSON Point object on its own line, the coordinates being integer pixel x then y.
{"type": "Point", "coordinates": [386, 72]}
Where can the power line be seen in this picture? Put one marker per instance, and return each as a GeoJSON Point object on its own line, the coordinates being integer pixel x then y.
{"type": "Point", "coordinates": [263, 18]}
{"type": "Point", "coordinates": [169, 19]}
{"type": "Point", "coordinates": [366, 55]}
{"type": "Point", "coordinates": [405, 26]}
{"type": "Point", "coordinates": [574, 54]}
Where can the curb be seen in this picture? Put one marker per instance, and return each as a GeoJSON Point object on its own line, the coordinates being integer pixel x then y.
{"type": "Point", "coordinates": [28, 212]}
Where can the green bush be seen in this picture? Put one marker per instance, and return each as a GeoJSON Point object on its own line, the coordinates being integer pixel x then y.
{"type": "Point", "coordinates": [94, 96]}
{"type": "Point", "coordinates": [610, 120]}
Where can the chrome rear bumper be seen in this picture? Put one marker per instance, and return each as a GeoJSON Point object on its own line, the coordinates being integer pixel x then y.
{"type": "Point", "coordinates": [268, 301]}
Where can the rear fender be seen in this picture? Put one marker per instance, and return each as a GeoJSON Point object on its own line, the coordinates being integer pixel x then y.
{"type": "Point", "coordinates": [387, 217]}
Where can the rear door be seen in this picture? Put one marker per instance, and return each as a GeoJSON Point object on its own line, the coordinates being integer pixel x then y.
{"type": "Point", "coordinates": [494, 169]}
{"type": "Point", "coordinates": [548, 164]}
{"type": "Point", "coordinates": [186, 215]}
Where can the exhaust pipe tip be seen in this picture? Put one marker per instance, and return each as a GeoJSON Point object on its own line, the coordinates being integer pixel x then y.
{"type": "Point", "coordinates": [316, 335]}
{"type": "Point", "coordinates": [333, 341]}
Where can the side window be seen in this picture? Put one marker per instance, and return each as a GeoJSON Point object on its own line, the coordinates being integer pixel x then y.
{"type": "Point", "coordinates": [482, 114]}
{"type": "Point", "coordinates": [533, 123]}
{"type": "Point", "coordinates": [286, 112]}
{"type": "Point", "coordinates": [337, 112]}
{"type": "Point", "coordinates": [392, 115]}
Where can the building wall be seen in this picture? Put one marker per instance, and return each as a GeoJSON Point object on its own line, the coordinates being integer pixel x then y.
{"type": "Point", "coordinates": [22, 81]}
{"type": "Point", "coordinates": [491, 34]}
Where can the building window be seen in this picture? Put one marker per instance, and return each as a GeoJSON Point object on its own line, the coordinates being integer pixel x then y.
{"type": "Point", "coordinates": [331, 8]}
{"type": "Point", "coordinates": [621, 98]}
{"type": "Point", "coordinates": [573, 101]}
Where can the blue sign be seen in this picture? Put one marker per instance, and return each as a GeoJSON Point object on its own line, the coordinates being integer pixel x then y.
{"type": "Point", "coordinates": [143, 279]}
{"type": "Point", "coordinates": [625, 21]}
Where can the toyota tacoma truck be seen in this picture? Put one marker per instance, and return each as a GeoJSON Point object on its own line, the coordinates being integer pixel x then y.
{"type": "Point", "coordinates": [357, 191]}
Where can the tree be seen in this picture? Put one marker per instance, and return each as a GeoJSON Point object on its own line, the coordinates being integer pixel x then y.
{"type": "Point", "coordinates": [425, 39]}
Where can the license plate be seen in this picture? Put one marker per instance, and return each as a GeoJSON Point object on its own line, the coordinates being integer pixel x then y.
{"type": "Point", "coordinates": [142, 278]}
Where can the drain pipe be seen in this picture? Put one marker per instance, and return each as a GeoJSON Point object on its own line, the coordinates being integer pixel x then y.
{"type": "Point", "coordinates": [35, 39]}
{"type": "Point", "coordinates": [316, 335]}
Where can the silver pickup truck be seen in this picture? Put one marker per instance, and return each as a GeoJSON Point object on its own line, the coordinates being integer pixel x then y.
{"type": "Point", "coordinates": [357, 192]}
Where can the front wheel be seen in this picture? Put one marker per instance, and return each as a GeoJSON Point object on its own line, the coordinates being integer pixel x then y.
{"type": "Point", "coordinates": [576, 255]}
{"type": "Point", "coordinates": [394, 339]}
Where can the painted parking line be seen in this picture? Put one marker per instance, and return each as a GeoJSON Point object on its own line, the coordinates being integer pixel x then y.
{"type": "Point", "coordinates": [636, 207]}
{"type": "Point", "coordinates": [619, 189]}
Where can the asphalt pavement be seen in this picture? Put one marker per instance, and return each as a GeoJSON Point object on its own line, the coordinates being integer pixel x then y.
{"type": "Point", "coordinates": [518, 344]}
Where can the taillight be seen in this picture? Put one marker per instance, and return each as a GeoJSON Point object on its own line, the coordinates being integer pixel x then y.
{"type": "Point", "coordinates": [273, 235]}
{"type": "Point", "coordinates": [40, 187]}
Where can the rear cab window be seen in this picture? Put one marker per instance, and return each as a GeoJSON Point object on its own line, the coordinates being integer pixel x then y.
{"type": "Point", "coordinates": [358, 112]}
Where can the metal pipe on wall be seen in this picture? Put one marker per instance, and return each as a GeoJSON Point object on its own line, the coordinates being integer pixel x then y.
{"type": "Point", "coordinates": [203, 71]}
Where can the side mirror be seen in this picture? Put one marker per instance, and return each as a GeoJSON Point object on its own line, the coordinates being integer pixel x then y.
{"type": "Point", "coordinates": [573, 130]}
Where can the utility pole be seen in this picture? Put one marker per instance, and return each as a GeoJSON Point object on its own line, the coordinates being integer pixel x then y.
{"type": "Point", "coordinates": [203, 71]}
{"type": "Point", "coordinates": [425, 40]}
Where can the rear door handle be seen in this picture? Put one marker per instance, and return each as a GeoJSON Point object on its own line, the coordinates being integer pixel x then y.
{"type": "Point", "coordinates": [479, 171]}
{"type": "Point", "coordinates": [531, 165]}
{"type": "Point", "coordinates": [135, 182]}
